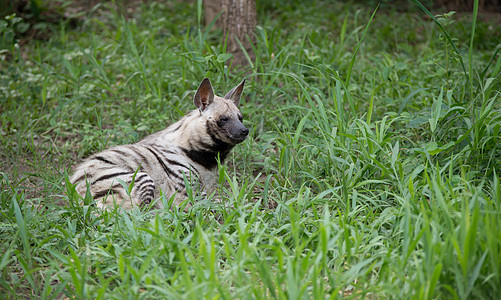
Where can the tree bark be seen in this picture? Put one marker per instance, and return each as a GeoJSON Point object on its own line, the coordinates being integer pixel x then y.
{"type": "Point", "coordinates": [237, 21]}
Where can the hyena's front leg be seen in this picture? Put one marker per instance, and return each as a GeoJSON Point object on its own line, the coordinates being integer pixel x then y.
{"type": "Point", "coordinates": [110, 191]}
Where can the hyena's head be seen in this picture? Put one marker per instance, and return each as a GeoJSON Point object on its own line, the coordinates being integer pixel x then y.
{"type": "Point", "coordinates": [221, 114]}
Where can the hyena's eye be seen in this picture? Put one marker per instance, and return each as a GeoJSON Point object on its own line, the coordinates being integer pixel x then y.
{"type": "Point", "coordinates": [222, 121]}
{"type": "Point", "coordinates": [240, 118]}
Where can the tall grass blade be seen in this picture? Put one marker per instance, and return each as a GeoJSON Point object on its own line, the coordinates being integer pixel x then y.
{"type": "Point", "coordinates": [447, 35]}
{"type": "Point", "coordinates": [352, 62]}
{"type": "Point", "coordinates": [21, 225]}
{"type": "Point", "coordinates": [470, 51]}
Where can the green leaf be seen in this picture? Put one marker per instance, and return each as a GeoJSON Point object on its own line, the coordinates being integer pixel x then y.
{"type": "Point", "coordinates": [22, 27]}
{"type": "Point", "coordinates": [416, 122]}
{"type": "Point", "coordinates": [221, 58]}
{"type": "Point", "coordinates": [21, 224]}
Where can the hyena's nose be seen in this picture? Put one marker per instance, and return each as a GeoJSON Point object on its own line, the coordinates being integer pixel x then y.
{"type": "Point", "coordinates": [244, 131]}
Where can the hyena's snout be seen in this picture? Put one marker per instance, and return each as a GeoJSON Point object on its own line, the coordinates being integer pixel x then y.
{"type": "Point", "coordinates": [238, 132]}
{"type": "Point", "coordinates": [244, 131]}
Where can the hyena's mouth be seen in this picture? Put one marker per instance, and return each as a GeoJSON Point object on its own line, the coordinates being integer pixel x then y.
{"type": "Point", "coordinates": [238, 140]}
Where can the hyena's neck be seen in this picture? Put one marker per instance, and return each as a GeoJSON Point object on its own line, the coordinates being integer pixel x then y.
{"type": "Point", "coordinates": [207, 158]}
{"type": "Point", "coordinates": [192, 136]}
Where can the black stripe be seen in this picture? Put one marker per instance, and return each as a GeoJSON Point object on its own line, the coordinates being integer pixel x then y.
{"type": "Point", "coordinates": [127, 157]}
{"type": "Point", "coordinates": [163, 149]}
{"type": "Point", "coordinates": [141, 177]}
{"type": "Point", "coordinates": [147, 193]}
{"type": "Point", "coordinates": [146, 186]}
{"type": "Point", "coordinates": [194, 171]}
{"type": "Point", "coordinates": [147, 181]}
{"type": "Point", "coordinates": [168, 171]}
{"type": "Point", "coordinates": [103, 193]}
{"type": "Point", "coordinates": [103, 160]}
{"type": "Point", "coordinates": [168, 151]}
{"type": "Point", "coordinates": [181, 187]}
{"type": "Point", "coordinates": [123, 158]}
{"type": "Point", "coordinates": [144, 179]}
{"type": "Point", "coordinates": [181, 122]}
{"type": "Point", "coordinates": [150, 186]}
{"type": "Point", "coordinates": [144, 160]}
{"type": "Point", "coordinates": [188, 167]}
{"type": "Point", "coordinates": [108, 176]}
{"type": "Point", "coordinates": [84, 176]}
{"type": "Point", "coordinates": [123, 153]}
{"type": "Point", "coordinates": [170, 161]}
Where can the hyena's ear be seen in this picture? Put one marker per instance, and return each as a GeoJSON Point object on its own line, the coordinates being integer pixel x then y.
{"type": "Point", "coordinates": [235, 93]}
{"type": "Point", "coordinates": [204, 95]}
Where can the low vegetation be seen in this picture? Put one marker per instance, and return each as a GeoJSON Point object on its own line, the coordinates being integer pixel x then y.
{"type": "Point", "coordinates": [371, 170]}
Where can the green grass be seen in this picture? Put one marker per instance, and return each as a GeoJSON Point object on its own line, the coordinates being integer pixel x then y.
{"type": "Point", "coordinates": [371, 170]}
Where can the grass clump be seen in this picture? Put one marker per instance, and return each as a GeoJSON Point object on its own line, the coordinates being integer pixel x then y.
{"type": "Point", "coordinates": [371, 169]}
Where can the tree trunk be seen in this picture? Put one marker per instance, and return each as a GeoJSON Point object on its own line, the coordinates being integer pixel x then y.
{"type": "Point", "coordinates": [237, 21]}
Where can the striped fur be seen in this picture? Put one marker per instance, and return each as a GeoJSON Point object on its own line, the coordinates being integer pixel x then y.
{"type": "Point", "coordinates": [159, 163]}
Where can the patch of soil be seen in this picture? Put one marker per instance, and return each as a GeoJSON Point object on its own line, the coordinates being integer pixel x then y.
{"type": "Point", "coordinates": [35, 172]}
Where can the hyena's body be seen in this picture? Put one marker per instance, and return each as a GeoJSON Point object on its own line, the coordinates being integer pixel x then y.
{"type": "Point", "coordinates": [188, 149]}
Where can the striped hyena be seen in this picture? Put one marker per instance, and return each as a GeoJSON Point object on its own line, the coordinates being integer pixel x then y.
{"type": "Point", "coordinates": [187, 149]}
